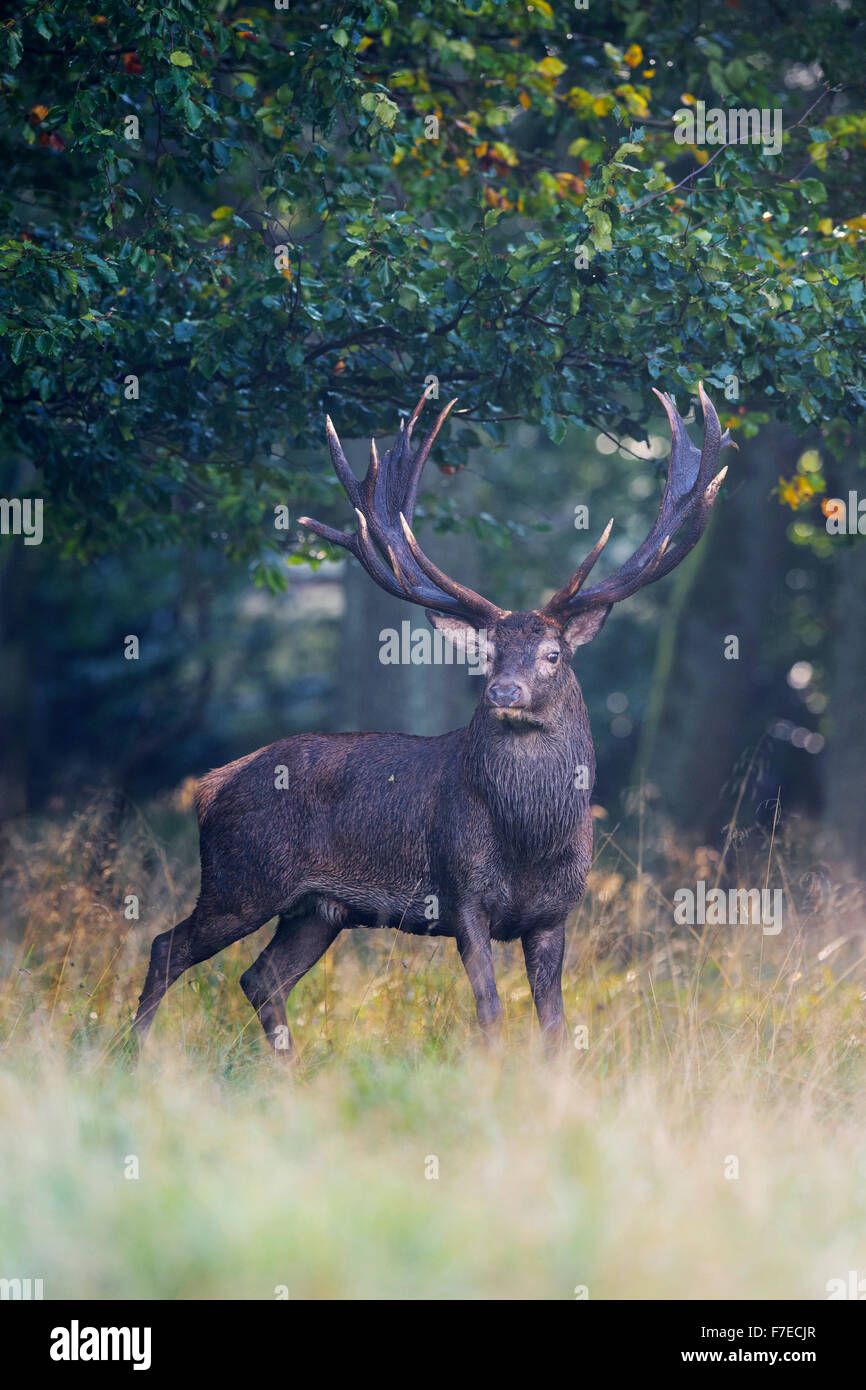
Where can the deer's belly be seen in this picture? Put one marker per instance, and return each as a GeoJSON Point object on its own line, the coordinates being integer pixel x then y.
{"type": "Point", "coordinates": [516, 900]}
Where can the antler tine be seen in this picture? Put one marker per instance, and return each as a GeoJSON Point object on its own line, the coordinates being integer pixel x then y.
{"type": "Point", "coordinates": [420, 459]}
{"type": "Point", "coordinates": [467, 597]}
{"type": "Point", "coordinates": [694, 530]}
{"type": "Point", "coordinates": [712, 428]}
{"type": "Point", "coordinates": [562, 596]}
{"type": "Point", "coordinates": [383, 542]}
{"type": "Point", "coordinates": [370, 485]}
{"type": "Point", "coordinates": [366, 552]}
{"type": "Point", "coordinates": [413, 418]}
{"type": "Point", "coordinates": [668, 556]}
{"type": "Point", "coordinates": [390, 493]}
{"type": "Point", "coordinates": [689, 493]}
{"type": "Point", "coordinates": [386, 488]}
{"type": "Point", "coordinates": [341, 463]}
{"type": "Point", "coordinates": [684, 453]}
{"type": "Point", "coordinates": [359, 546]}
{"type": "Point", "coordinates": [395, 583]}
{"type": "Point", "coordinates": [328, 533]}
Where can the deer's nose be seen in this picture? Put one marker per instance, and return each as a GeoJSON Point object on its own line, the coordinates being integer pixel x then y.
{"type": "Point", "coordinates": [506, 695]}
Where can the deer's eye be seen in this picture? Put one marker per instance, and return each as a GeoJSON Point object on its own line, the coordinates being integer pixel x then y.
{"type": "Point", "coordinates": [553, 657]}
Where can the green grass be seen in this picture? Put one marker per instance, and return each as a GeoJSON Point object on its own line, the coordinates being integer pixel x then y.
{"type": "Point", "coordinates": [606, 1169]}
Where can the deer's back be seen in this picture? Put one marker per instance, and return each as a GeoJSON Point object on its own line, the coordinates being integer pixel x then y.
{"type": "Point", "coordinates": [344, 815]}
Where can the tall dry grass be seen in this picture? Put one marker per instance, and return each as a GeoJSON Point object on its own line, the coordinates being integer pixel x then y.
{"type": "Point", "coordinates": [708, 1141]}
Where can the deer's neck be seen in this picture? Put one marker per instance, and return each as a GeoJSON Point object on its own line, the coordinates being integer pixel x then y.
{"type": "Point", "coordinates": [536, 782]}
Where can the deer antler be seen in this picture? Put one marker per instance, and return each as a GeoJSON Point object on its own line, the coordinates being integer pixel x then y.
{"type": "Point", "coordinates": [690, 491]}
{"type": "Point", "coordinates": [384, 504]}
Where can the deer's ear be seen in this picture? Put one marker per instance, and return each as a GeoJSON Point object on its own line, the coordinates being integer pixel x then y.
{"type": "Point", "coordinates": [464, 636]}
{"type": "Point", "coordinates": [584, 626]}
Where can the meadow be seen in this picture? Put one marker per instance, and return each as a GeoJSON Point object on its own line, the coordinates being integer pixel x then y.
{"type": "Point", "coordinates": [704, 1136]}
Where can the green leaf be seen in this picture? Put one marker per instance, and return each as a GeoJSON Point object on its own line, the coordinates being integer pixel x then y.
{"type": "Point", "coordinates": [814, 190]}
{"type": "Point", "coordinates": [179, 59]}
{"type": "Point", "coordinates": [387, 112]}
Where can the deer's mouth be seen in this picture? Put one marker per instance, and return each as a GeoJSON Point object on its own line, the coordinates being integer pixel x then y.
{"type": "Point", "coordinates": [511, 714]}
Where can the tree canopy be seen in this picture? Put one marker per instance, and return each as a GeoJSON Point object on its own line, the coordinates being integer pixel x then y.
{"type": "Point", "coordinates": [224, 221]}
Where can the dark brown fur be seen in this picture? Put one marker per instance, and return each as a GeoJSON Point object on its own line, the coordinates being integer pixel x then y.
{"type": "Point", "coordinates": [481, 834]}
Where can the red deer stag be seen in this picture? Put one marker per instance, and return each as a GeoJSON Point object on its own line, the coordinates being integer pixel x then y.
{"type": "Point", "coordinates": [490, 823]}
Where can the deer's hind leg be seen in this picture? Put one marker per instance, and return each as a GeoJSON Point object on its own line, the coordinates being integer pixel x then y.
{"type": "Point", "coordinates": [197, 938]}
{"type": "Point", "coordinates": [294, 949]}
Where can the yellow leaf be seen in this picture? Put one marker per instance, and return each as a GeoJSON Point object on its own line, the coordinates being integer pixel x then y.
{"type": "Point", "coordinates": [633, 55]}
{"type": "Point", "coordinates": [634, 100]}
{"type": "Point", "coordinates": [551, 67]}
{"type": "Point", "coordinates": [825, 226]}
{"type": "Point", "coordinates": [38, 113]}
{"type": "Point", "coordinates": [462, 166]}
{"type": "Point", "coordinates": [787, 493]}
{"type": "Point", "coordinates": [542, 7]}
{"type": "Point", "coordinates": [700, 155]}
{"type": "Point", "coordinates": [286, 274]}
{"type": "Point", "coordinates": [505, 153]}
{"type": "Point", "coordinates": [687, 99]}
{"type": "Point", "coordinates": [364, 44]}
{"type": "Point", "coordinates": [602, 105]}
{"type": "Point", "coordinates": [525, 100]}
{"type": "Point", "coordinates": [857, 224]}
{"type": "Point", "coordinates": [580, 99]}
{"type": "Point", "coordinates": [221, 213]}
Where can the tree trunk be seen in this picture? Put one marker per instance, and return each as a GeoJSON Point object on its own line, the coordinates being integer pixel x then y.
{"type": "Point", "coordinates": [706, 712]}
{"type": "Point", "coordinates": [845, 757]}
{"type": "Point", "coordinates": [15, 641]}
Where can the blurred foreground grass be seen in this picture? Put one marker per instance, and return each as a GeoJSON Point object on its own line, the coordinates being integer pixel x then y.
{"type": "Point", "coordinates": [709, 1053]}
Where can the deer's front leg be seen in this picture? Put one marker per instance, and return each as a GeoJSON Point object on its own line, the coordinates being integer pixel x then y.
{"type": "Point", "coordinates": [543, 950]}
{"type": "Point", "coordinates": [472, 931]}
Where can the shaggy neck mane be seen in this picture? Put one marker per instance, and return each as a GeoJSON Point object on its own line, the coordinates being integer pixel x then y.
{"type": "Point", "coordinates": [528, 776]}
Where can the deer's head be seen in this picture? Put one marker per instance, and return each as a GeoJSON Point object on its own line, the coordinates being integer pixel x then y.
{"type": "Point", "coordinates": [527, 656]}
